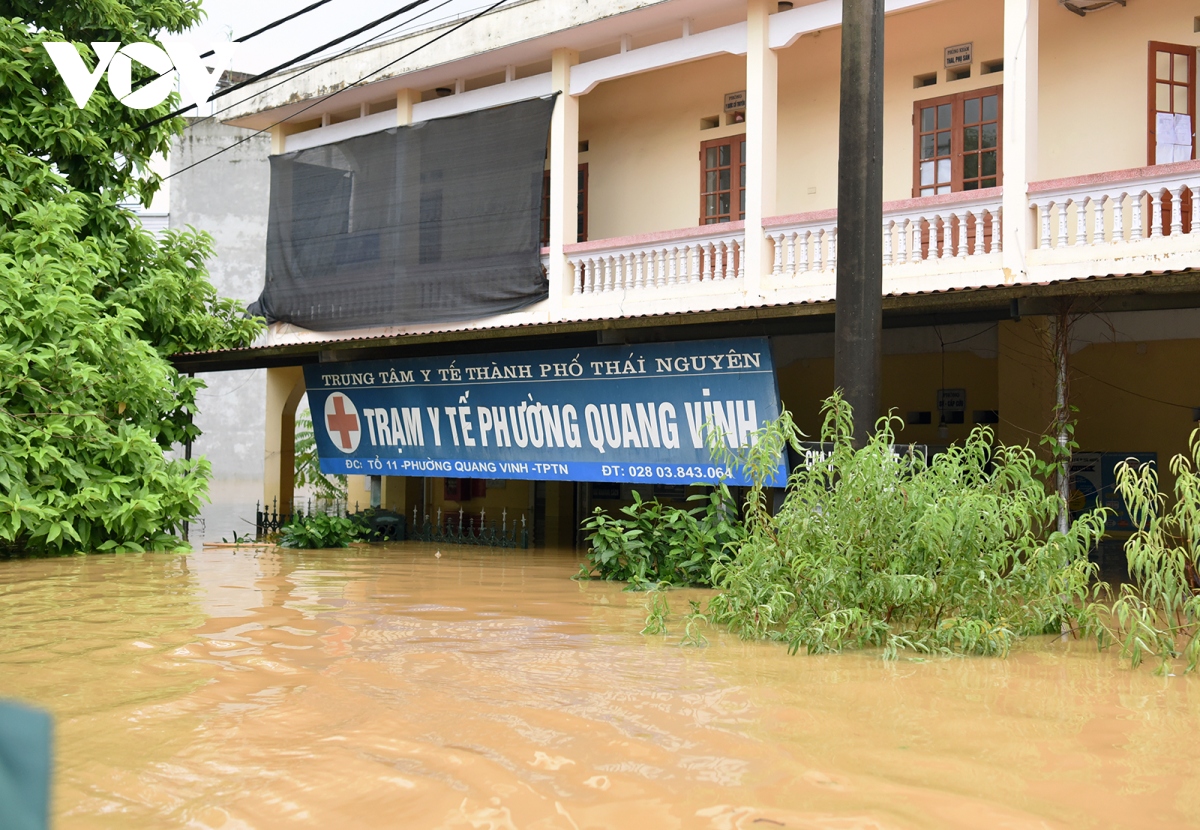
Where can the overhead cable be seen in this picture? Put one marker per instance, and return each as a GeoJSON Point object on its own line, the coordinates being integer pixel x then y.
{"type": "Point", "coordinates": [292, 61]}
{"type": "Point", "coordinates": [245, 38]}
{"type": "Point", "coordinates": [320, 63]}
{"type": "Point", "coordinates": [273, 24]}
{"type": "Point", "coordinates": [350, 85]}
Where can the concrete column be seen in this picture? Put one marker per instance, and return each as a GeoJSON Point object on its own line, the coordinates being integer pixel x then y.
{"type": "Point", "coordinates": [1020, 132]}
{"type": "Point", "coordinates": [762, 130]}
{"type": "Point", "coordinates": [279, 134]}
{"type": "Point", "coordinates": [405, 99]}
{"type": "Point", "coordinates": [564, 177]}
{"type": "Point", "coordinates": [285, 388]}
{"type": "Point", "coordinates": [858, 320]}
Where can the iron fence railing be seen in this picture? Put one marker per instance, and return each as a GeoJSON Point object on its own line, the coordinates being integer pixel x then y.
{"type": "Point", "coordinates": [468, 530]}
{"type": "Point", "coordinates": [463, 529]}
{"type": "Point", "coordinates": [267, 522]}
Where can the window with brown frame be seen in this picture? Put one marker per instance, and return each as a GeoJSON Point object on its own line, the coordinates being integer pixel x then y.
{"type": "Point", "coordinates": [1172, 98]}
{"type": "Point", "coordinates": [957, 142]}
{"type": "Point", "coordinates": [723, 180]}
{"type": "Point", "coordinates": [582, 210]}
{"type": "Point", "coordinates": [1172, 115]}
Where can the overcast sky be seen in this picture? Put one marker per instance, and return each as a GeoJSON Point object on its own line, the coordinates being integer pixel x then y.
{"type": "Point", "coordinates": [228, 19]}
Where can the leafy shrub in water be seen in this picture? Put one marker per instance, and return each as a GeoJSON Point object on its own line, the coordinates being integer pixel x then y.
{"type": "Point", "coordinates": [320, 531]}
{"type": "Point", "coordinates": [876, 549]}
{"type": "Point", "coordinates": [656, 543]}
{"type": "Point", "coordinates": [1159, 612]}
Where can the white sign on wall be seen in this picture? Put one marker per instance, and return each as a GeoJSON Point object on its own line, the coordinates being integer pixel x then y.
{"type": "Point", "coordinates": [952, 400]}
{"type": "Point", "coordinates": [735, 101]}
{"type": "Point", "coordinates": [960, 55]}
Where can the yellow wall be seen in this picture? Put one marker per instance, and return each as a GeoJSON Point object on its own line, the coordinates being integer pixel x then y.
{"type": "Point", "coordinates": [1025, 381]}
{"type": "Point", "coordinates": [809, 87]}
{"type": "Point", "coordinates": [1130, 397]}
{"type": "Point", "coordinates": [1127, 419]}
{"type": "Point", "coordinates": [910, 383]}
{"type": "Point", "coordinates": [644, 140]}
{"type": "Point", "coordinates": [1093, 89]}
{"type": "Point", "coordinates": [644, 131]}
{"type": "Point", "coordinates": [516, 497]}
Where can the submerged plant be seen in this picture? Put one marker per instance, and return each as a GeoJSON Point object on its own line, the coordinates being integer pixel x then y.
{"type": "Point", "coordinates": [655, 543]}
{"type": "Point", "coordinates": [1159, 612]}
{"type": "Point", "coordinates": [874, 548]}
{"type": "Point", "coordinates": [691, 626]}
{"type": "Point", "coordinates": [657, 610]}
{"type": "Point", "coordinates": [321, 531]}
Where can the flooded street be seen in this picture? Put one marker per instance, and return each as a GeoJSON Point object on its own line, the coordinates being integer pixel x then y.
{"type": "Point", "coordinates": [385, 687]}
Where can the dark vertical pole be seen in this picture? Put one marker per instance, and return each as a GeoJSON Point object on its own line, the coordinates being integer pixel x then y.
{"type": "Point", "coordinates": [187, 456]}
{"type": "Point", "coordinates": [858, 324]}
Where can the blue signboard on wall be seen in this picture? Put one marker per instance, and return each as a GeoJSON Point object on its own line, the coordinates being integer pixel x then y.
{"type": "Point", "coordinates": [638, 413]}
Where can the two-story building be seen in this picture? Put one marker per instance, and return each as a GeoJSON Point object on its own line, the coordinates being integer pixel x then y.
{"type": "Point", "coordinates": [1039, 168]}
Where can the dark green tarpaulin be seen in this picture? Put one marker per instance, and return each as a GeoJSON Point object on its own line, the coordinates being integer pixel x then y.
{"type": "Point", "coordinates": [432, 222]}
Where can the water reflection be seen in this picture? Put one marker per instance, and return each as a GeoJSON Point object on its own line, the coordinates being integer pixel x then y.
{"type": "Point", "coordinates": [388, 688]}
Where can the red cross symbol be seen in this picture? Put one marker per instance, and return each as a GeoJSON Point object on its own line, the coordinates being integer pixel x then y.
{"type": "Point", "coordinates": [344, 423]}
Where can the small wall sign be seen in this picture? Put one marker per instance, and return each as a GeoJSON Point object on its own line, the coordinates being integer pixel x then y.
{"type": "Point", "coordinates": [960, 55]}
{"type": "Point", "coordinates": [735, 101]}
{"type": "Point", "coordinates": [952, 400]}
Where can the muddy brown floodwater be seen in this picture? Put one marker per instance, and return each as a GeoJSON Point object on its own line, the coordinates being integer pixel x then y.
{"type": "Point", "coordinates": [385, 687]}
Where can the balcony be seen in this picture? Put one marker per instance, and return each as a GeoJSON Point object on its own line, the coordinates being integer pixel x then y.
{"type": "Point", "coordinates": [694, 269]}
{"type": "Point", "coordinates": [1122, 222]}
{"type": "Point", "coordinates": [1118, 223]}
{"type": "Point", "coordinates": [934, 243]}
{"type": "Point", "coordinates": [1125, 222]}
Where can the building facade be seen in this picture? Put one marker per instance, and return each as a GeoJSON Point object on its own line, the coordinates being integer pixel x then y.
{"type": "Point", "coordinates": [1039, 171]}
{"type": "Point", "coordinates": [227, 197]}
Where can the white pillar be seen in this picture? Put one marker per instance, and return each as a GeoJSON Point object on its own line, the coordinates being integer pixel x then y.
{"type": "Point", "coordinates": [1020, 130]}
{"type": "Point", "coordinates": [762, 102]}
{"type": "Point", "coordinates": [564, 177]}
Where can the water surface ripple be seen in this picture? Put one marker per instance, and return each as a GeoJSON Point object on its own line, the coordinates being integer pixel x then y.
{"type": "Point", "coordinates": [386, 687]}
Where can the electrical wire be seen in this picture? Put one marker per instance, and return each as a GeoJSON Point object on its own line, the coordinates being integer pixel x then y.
{"type": "Point", "coordinates": [979, 333]}
{"type": "Point", "coordinates": [321, 63]}
{"type": "Point", "coordinates": [292, 61]}
{"type": "Point", "coordinates": [245, 38]}
{"type": "Point", "coordinates": [1131, 392]}
{"type": "Point", "coordinates": [275, 23]}
{"type": "Point", "coordinates": [351, 85]}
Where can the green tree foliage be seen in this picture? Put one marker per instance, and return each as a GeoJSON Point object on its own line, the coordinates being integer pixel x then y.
{"type": "Point", "coordinates": [877, 549]}
{"type": "Point", "coordinates": [308, 465]}
{"type": "Point", "coordinates": [90, 304]}
{"type": "Point", "coordinates": [1159, 612]}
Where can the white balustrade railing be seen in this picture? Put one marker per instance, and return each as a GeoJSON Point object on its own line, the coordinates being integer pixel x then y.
{"type": "Point", "coordinates": [955, 230]}
{"type": "Point", "coordinates": [654, 261]}
{"type": "Point", "coordinates": [806, 244]}
{"type": "Point", "coordinates": [1134, 206]}
{"type": "Point", "coordinates": [932, 229]}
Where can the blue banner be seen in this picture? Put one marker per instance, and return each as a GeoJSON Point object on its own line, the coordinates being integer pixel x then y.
{"type": "Point", "coordinates": [611, 413]}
